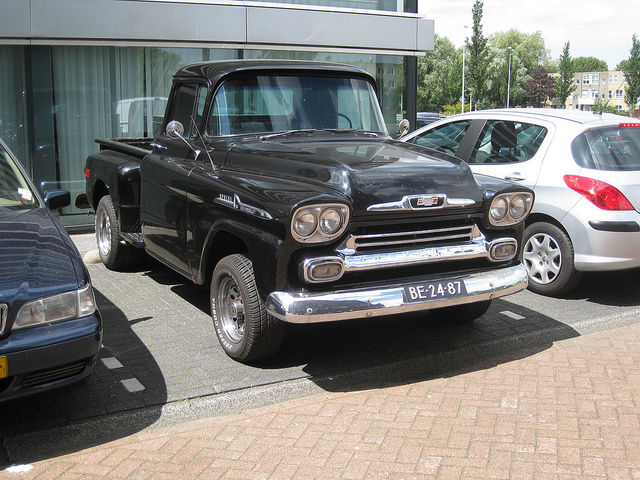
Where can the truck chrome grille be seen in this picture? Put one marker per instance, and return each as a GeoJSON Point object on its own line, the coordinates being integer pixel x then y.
{"type": "Point", "coordinates": [406, 240]}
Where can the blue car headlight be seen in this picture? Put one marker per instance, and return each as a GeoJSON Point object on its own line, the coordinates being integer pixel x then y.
{"type": "Point", "coordinates": [56, 308]}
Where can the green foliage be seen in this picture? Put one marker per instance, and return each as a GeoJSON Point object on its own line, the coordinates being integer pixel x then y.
{"type": "Point", "coordinates": [632, 73]}
{"type": "Point", "coordinates": [452, 109]}
{"type": "Point", "coordinates": [527, 53]}
{"type": "Point", "coordinates": [479, 58]}
{"type": "Point", "coordinates": [529, 48]}
{"type": "Point", "coordinates": [498, 80]}
{"type": "Point", "coordinates": [439, 76]}
{"type": "Point", "coordinates": [565, 84]}
{"type": "Point", "coordinates": [622, 65]}
{"type": "Point", "coordinates": [589, 64]}
{"type": "Point", "coordinates": [598, 106]}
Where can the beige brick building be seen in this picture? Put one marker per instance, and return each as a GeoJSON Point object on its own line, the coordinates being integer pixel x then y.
{"type": "Point", "coordinates": [607, 87]}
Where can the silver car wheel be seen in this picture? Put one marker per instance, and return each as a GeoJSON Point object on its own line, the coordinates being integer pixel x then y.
{"type": "Point", "coordinates": [542, 258]}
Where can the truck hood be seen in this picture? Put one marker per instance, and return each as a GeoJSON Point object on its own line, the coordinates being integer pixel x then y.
{"type": "Point", "coordinates": [368, 171]}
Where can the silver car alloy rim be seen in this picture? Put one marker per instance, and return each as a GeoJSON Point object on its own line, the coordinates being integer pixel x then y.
{"type": "Point", "coordinates": [231, 311]}
{"type": "Point", "coordinates": [104, 234]}
{"type": "Point", "coordinates": [542, 258]}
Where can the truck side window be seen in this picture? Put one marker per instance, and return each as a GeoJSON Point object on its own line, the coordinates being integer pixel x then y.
{"type": "Point", "coordinates": [188, 107]}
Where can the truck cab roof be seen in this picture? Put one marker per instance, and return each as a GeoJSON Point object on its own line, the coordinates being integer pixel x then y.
{"type": "Point", "coordinates": [215, 70]}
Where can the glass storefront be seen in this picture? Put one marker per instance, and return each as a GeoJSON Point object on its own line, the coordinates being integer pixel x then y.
{"type": "Point", "coordinates": [56, 100]}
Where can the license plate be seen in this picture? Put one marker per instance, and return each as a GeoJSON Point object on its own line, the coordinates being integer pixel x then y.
{"type": "Point", "coordinates": [3, 367]}
{"type": "Point", "coordinates": [434, 291]}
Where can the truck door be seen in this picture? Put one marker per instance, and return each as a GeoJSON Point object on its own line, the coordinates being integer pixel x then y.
{"type": "Point", "coordinates": [164, 177]}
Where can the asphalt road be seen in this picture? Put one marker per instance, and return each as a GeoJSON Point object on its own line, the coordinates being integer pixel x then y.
{"type": "Point", "coordinates": [161, 361]}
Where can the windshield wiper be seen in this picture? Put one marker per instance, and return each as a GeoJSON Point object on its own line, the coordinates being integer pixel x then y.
{"type": "Point", "coordinates": [270, 136]}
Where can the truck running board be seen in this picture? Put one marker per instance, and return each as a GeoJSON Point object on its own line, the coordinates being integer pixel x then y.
{"type": "Point", "coordinates": [134, 239]}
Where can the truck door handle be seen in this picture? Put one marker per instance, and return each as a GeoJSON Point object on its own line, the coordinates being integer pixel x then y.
{"type": "Point", "coordinates": [515, 177]}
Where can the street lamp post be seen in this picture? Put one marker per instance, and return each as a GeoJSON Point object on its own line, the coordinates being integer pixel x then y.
{"type": "Point", "coordinates": [471, 90]}
{"type": "Point", "coordinates": [509, 81]}
{"type": "Point", "coordinates": [464, 44]}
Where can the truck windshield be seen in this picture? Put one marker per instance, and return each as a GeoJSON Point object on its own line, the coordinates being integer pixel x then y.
{"type": "Point", "coordinates": [270, 104]}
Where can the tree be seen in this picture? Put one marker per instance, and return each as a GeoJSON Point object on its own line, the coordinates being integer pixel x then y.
{"type": "Point", "coordinates": [589, 64]}
{"type": "Point", "coordinates": [565, 84]}
{"type": "Point", "coordinates": [632, 74]}
{"type": "Point", "coordinates": [479, 58]}
{"type": "Point", "coordinates": [529, 48]}
{"type": "Point", "coordinates": [437, 71]}
{"type": "Point", "coordinates": [527, 53]}
{"type": "Point", "coordinates": [540, 89]}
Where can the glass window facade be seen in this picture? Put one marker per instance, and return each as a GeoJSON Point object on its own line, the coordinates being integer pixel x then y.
{"type": "Point", "coordinates": [56, 100]}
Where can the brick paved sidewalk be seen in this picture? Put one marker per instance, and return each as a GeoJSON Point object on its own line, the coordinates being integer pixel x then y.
{"type": "Point", "coordinates": [570, 411]}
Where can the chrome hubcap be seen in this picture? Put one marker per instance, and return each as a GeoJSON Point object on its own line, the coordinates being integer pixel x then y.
{"type": "Point", "coordinates": [103, 234]}
{"type": "Point", "coordinates": [231, 312]}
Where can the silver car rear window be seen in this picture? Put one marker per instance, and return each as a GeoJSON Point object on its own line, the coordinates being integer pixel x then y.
{"type": "Point", "coordinates": [608, 148]}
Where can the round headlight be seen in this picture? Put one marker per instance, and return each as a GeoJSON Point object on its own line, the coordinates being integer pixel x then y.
{"type": "Point", "coordinates": [305, 223]}
{"type": "Point", "coordinates": [499, 209]}
{"type": "Point", "coordinates": [330, 221]}
{"type": "Point", "coordinates": [518, 207]}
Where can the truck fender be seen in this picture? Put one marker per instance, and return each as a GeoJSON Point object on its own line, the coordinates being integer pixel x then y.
{"type": "Point", "coordinates": [228, 236]}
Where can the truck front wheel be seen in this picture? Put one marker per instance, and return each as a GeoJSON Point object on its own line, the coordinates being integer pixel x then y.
{"type": "Point", "coordinates": [114, 253]}
{"type": "Point", "coordinates": [244, 328]}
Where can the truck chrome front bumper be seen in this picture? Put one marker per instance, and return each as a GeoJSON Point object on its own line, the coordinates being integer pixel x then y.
{"type": "Point", "coordinates": [304, 307]}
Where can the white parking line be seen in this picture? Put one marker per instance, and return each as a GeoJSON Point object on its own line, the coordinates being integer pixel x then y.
{"type": "Point", "coordinates": [132, 385]}
{"type": "Point", "coordinates": [515, 316]}
{"type": "Point", "coordinates": [111, 363]}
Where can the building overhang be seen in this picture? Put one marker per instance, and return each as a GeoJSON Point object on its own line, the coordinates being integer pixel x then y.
{"type": "Point", "coordinates": [219, 24]}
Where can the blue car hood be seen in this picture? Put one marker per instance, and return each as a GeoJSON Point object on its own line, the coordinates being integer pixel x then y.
{"type": "Point", "coordinates": [37, 258]}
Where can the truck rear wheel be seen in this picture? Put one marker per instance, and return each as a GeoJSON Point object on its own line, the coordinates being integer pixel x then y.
{"type": "Point", "coordinates": [244, 328]}
{"type": "Point", "coordinates": [114, 253]}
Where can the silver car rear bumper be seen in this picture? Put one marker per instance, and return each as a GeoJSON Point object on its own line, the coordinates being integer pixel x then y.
{"type": "Point", "coordinates": [304, 307]}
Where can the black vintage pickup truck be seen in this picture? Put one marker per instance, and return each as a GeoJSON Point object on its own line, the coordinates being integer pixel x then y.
{"type": "Point", "coordinates": [278, 183]}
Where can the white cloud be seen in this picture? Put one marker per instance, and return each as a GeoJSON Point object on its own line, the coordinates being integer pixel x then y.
{"type": "Point", "coordinates": [593, 28]}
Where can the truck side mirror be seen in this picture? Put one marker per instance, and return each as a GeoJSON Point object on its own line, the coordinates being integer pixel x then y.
{"type": "Point", "coordinates": [175, 129]}
{"type": "Point", "coordinates": [404, 126]}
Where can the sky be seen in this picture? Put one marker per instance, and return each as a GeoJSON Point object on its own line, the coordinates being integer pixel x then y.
{"type": "Point", "coordinates": [598, 29]}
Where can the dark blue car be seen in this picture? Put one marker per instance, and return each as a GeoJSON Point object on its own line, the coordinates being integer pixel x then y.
{"type": "Point", "coordinates": [50, 328]}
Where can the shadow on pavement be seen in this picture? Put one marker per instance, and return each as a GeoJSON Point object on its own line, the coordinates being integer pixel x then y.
{"type": "Point", "coordinates": [65, 420]}
{"type": "Point", "coordinates": [165, 344]}
{"type": "Point", "coordinates": [389, 351]}
{"type": "Point", "coordinates": [620, 289]}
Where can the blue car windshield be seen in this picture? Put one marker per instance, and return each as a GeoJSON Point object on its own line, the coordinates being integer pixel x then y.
{"type": "Point", "coordinates": [15, 192]}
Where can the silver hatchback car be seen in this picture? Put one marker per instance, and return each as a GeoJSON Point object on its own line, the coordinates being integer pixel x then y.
{"type": "Point", "coordinates": [585, 170]}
